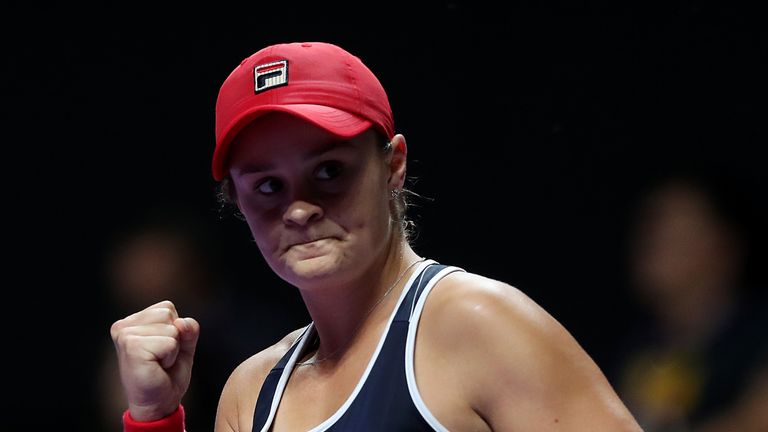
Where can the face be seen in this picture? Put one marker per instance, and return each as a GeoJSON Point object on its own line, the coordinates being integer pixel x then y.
{"type": "Point", "coordinates": [681, 248]}
{"type": "Point", "coordinates": [317, 206]}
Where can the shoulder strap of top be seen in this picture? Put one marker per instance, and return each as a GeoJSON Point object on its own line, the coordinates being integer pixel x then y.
{"type": "Point", "coordinates": [267, 393]}
{"type": "Point", "coordinates": [415, 290]}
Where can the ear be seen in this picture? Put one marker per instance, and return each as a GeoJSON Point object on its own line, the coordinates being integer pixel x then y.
{"type": "Point", "coordinates": [231, 193]}
{"type": "Point", "coordinates": [397, 163]}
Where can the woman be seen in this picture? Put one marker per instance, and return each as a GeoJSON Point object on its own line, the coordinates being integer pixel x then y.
{"type": "Point", "coordinates": [307, 151]}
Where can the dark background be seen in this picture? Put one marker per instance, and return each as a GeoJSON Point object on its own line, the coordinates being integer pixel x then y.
{"type": "Point", "coordinates": [531, 130]}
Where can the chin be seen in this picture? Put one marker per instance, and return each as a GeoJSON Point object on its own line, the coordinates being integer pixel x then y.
{"type": "Point", "coordinates": [313, 269]}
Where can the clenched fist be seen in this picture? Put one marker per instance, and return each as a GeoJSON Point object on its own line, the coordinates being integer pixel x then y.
{"type": "Point", "coordinates": [155, 350]}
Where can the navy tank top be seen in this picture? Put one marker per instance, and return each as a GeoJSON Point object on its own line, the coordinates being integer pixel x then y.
{"type": "Point", "coordinates": [386, 397]}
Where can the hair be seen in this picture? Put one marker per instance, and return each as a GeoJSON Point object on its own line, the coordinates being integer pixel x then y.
{"type": "Point", "coordinates": [226, 196]}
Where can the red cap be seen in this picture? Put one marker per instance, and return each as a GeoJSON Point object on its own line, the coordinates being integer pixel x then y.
{"type": "Point", "coordinates": [318, 82]}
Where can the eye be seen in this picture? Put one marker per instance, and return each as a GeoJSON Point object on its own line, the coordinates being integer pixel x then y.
{"type": "Point", "coordinates": [269, 186]}
{"type": "Point", "coordinates": [329, 170]}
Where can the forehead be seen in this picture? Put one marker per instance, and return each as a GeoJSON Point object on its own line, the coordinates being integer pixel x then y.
{"type": "Point", "coordinates": [279, 135]}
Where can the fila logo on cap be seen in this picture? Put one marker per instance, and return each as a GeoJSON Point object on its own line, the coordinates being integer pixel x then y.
{"type": "Point", "coordinates": [270, 75]}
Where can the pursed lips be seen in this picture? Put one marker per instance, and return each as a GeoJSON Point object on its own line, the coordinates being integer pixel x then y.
{"type": "Point", "coordinates": [303, 242]}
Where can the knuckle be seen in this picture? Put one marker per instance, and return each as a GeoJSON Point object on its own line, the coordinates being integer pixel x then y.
{"type": "Point", "coordinates": [164, 315]}
{"type": "Point", "coordinates": [130, 343]}
{"type": "Point", "coordinates": [174, 332]}
{"type": "Point", "coordinates": [115, 329]}
{"type": "Point", "coordinates": [167, 304]}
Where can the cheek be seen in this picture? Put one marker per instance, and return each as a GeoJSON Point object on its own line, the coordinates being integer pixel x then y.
{"type": "Point", "coordinates": [368, 214]}
{"type": "Point", "coordinates": [262, 229]}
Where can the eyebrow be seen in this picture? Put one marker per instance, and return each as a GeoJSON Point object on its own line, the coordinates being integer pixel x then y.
{"type": "Point", "coordinates": [324, 148]}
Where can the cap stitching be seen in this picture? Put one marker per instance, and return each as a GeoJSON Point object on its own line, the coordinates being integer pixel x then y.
{"type": "Point", "coordinates": [354, 80]}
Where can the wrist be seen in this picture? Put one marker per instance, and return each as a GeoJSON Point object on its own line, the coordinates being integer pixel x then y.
{"type": "Point", "coordinates": [152, 411]}
{"type": "Point", "coordinates": [173, 422]}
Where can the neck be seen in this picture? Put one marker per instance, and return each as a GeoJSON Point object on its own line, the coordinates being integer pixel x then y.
{"type": "Point", "coordinates": [342, 313]}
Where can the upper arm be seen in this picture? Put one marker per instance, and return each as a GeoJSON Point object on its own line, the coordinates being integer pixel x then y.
{"type": "Point", "coordinates": [227, 411]}
{"type": "Point", "coordinates": [522, 370]}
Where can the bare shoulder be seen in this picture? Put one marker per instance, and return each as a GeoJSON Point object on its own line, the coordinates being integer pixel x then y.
{"type": "Point", "coordinates": [256, 367]}
{"type": "Point", "coordinates": [521, 368]}
{"type": "Point", "coordinates": [499, 323]}
{"type": "Point", "coordinates": [238, 398]}
{"type": "Point", "coordinates": [471, 315]}
{"type": "Point", "coordinates": [472, 301]}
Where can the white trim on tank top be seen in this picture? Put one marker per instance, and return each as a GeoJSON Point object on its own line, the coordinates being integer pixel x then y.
{"type": "Point", "coordinates": [330, 421]}
{"type": "Point", "coordinates": [284, 378]}
{"type": "Point", "coordinates": [410, 348]}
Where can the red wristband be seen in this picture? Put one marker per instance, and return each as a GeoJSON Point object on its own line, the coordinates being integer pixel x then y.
{"type": "Point", "coordinates": [171, 423]}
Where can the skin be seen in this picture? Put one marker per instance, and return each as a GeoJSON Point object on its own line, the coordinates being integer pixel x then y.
{"type": "Point", "coordinates": [328, 231]}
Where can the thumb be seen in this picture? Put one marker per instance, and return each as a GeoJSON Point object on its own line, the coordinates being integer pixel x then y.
{"type": "Point", "coordinates": [189, 332]}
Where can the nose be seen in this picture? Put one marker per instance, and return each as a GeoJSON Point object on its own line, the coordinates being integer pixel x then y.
{"type": "Point", "coordinates": [301, 212]}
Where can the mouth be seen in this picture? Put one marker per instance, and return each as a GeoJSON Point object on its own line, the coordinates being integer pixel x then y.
{"type": "Point", "coordinates": [310, 248]}
{"type": "Point", "coordinates": [309, 243]}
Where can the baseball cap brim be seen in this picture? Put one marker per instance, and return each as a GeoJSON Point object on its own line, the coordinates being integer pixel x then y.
{"type": "Point", "coordinates": [334, 121]}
